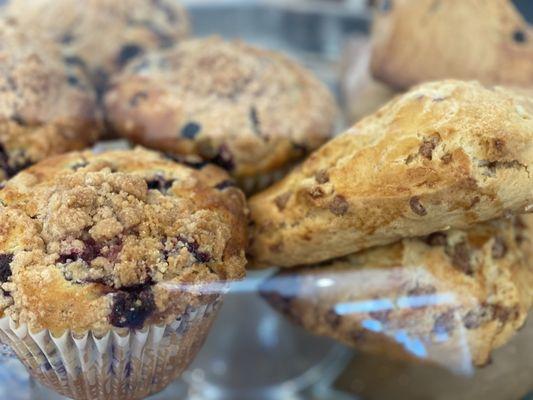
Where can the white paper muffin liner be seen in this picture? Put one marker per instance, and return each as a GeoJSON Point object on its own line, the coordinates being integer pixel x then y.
{"type": "Point", "coordinates": [117, 366]}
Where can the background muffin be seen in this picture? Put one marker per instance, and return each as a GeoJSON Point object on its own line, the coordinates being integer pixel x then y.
{"type": "Point", "coordinates": [101, 35]}
{"type": "Point", "coordinates": [124, 240]}
{"type": "Point", "coordinates": [248, 110]}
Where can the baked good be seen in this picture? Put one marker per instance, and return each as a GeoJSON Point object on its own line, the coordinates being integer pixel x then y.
{"type": "Point", "coordinates": [449, 298]}
{"type": "Point", "coordinates": [46, 107]}
{"type": "Point", "coordinates": [251, 111]}
{"type": "Point", "coordinates": [101, 35]}
{"type": "Point", "coordinates": [417, 41]}
{"type": "Point", "coordinates": [124, 243]}
{"type": "Point", "coordinates": [445, 155]}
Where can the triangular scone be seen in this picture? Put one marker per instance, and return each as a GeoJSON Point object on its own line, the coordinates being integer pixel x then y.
{"type": "Point", "coordinates": [417, 41]}
{"type": "Point", "coordinates": [444, 155]}
{"type": "Point", "coordinates": [449, 298]}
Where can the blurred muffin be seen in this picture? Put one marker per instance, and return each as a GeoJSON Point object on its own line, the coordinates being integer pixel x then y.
{"type": "Point", "coordinates": [417, 41]}
{"type": "Point", "coordinates": [46, 107]}
{"type": "Point", "coordinates": [442, 155]}
{"type": "Point", "coordinates": [113, 267]}
{"type": "Point", "coordinates": [449, 298]}
{"type": "Point", "coordinates": [251, 111]}
{"type": "Point", "coordinates": [101, 35]}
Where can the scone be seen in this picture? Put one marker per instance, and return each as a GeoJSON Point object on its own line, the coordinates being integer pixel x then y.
{"type": "Point", "coordinates": [417, 41]}
{"type": "Point", "coordinates": [46, 107]}
{"type": "Point", "coordinates": [251, 111]}
{"type": "Point", "coordinates": [101, 35]}
{"type": "Point", "coordinates": [448, 298]}
{"type": "Point", "coordinates": [444, 155]}
{"type": "Point", "coordinates": [124, 256]}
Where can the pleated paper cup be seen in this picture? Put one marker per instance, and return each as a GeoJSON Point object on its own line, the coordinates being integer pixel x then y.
{"type": "Point", "coordinates": [120, 365]}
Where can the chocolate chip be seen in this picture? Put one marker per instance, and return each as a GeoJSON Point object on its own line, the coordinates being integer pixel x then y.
{"type": "Point", "coordinates": [444, 323]}
{"type": "Point", "coordinates": [191, 130]}
{"type": "Point", "coordinates": [499, 248]}
{"type": "Point", "coordinates": [499, 144]}
{"type": "Point", "coordinates": [446, 158]}
{"type": "Point", "coordinates": [91, 250]}
{"type": "Point", "coordinates": [158, 182]}
{"type": "Point", "coordinates": [427, 147]}
{"type": "Point", "coordinates": [437, 239]}
{"type": "Point", "coordinates": [519, 36]}
{"type": "Point", "coordinates": [339, 205]}
{"type": "Point", "coordinates": [416, 206]}
{"type": "Point", "coordinates": [224, 158]}
{"type": "Point", "coordinates": [316, 192]}
{"type": "Point", "coordinates": [322, 176]}
{"type": "Point", "coordinates": [225, 184]}
{"type": "Point", "coordinates": [422, 290]}
{"type": "Point", "coordinates": [460, 255]}
{"type": "Point", "coordinates": [192, 247]}
{"type": "Point", "coordinates": [131, 308]}
{"type": "Point", "coordinates": [137, 98]}
{"type": "Point", "coordinates": [127, 53]}
{"type": "Point", "coordinates": [254, 118]}
{"type": "Point", "coordinates": [475, 318]}
{"type": "Point", "coordinates": [281, 200]}
{"type": "Point", "coordinates": [5, 267]}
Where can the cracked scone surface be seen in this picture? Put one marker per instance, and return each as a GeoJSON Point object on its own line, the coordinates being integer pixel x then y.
{"type": "Point", "coordinates": [101, 35]}
{"type": "Point", "coordinates": [119, 239]}
{"type": "Point", "coordinates": [249, 110]}
{"type": "Point", "coordinates": [446, 154]}
{"type": "Point", "coordinates": [413, 42]}
{"type": "Point", "coordinates": [449, 298]}
{"type": "Point", "coordinates": [46, 107]}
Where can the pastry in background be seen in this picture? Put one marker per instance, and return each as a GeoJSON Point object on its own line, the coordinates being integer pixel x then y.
{"type": "Point", "coordinates": [253, 112]}
{"type": "Point", "coordinates": [449, 298]}
{"type": "Point", "coordinates": [441, 156]}
{"type": "Point", "coordinates": [362, 95]}
{"type": "Point", "coordinates": [101, 35]}
{"type": "Point", "coordinates": [123, 255]}
{"type": "Point", "coordinates": [47, 106]}
{"type": "Point", "coordinates": [417, 41]}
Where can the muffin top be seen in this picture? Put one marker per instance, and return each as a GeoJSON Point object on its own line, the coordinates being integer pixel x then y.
{"type": "Point", "coordinates": [101, 35]}
{"type": "Point", "coordinates": [249, 110]}
{"type": "Point", "coordinates": [46, 107]}
{"type": "Point", "coordinates": [119, 239]}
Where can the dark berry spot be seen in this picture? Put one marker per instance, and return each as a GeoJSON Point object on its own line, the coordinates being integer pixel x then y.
{"type": "Point", "coordinates": [300, 148]}
{"type": "Point", "coordinates": [444, 323]}
{"type": "Point", "coordinates": [74, 60]}
{"type": "Point", "coordinates": [91, 250]}
{"type": "Point", "coordinates": [437, 239]}
{"type": "Point", "coordinates": [190, 161]}
{"type": "Point", "coordinates": [127, 53]}
{"type": "Point", "coordinates": [67, 38]}
{"type": "Point", "coordinates": [132, 308]}
{"type": "Point", "coordinates": [193, 248]}
{"type": "Point", "coordinates": [5, 267]}
{"type": "Point", "coordinates": [73, 80]}
{"type": "Point", "coordinates": [460, 255]}
{"type": "Point", "coordinates": [316, 192]}
{"type": "Point", "coordinates": [224, 158]}
{"type": "Point", "coordinates": [158, 182]}
{"type": "Point", "coordinates": [190, 130]}
{"type": "Point", "coordinates": [254, 118]}
{"type": "Point", "coordinates": [137, 98]}
{"type": "Point", "coordinates": [225, 184]}
{"type": "Point", "coordinates": [416, 206]}
{"type": "Point", "coordinates": [499, 248]}
{"type": "Point", "coordinates": [519, 36]}
{"type": "Point", "coordinates": [9, 169]}
{"type": "Point", "coordinates": [339, 205]}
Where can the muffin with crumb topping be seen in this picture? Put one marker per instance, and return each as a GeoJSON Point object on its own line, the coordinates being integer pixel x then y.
{"type": "Point", "coordinates": [115, 262]}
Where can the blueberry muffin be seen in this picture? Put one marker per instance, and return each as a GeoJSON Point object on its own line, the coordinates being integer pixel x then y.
{"type": "Point", "coordinates": [417, 41]}
{"type": "Point", "coordinates": [125, 243]}
{"type": "Point", "coordinates": [251, 111]}
{"type": "Point", "coordinates": [101, 35]}
{"type": "Point", "coordinates": [449, 298]}
{"type": "Point", "coordinates": [445, 155]}
{"type": "Point", "coordinates": [46, 107]}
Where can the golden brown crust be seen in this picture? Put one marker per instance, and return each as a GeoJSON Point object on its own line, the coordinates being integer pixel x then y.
{"type": "Point", "coordinates": [489, 41]}
{"type": "Point", "coordinates": [251, 111]}
{"type": "Point", "coordinates": [449, 298]}
{"type": "Point", "coordinates": [102, 35]}
{"type": "Point", "coordinates": [446, 154]}
{"type": "Point", "coordinates": [90, 241]}
{"type": "Point", "coordinates": [46, 107]}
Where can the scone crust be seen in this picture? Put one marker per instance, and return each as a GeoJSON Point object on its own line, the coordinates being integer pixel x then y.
{"type": "Point", "coordinates": [449, 298]}
{"type": "Point", "coordinates": [446, 154]}
{"type": "Point", "coordinates": [120, 239]}
{"type": "Point", "coordinates": [101, 35]}
{"type": "Point", "coordinates": [249, 110]}
{"type": "Point", "coordinates": [413, 42]}
{"type": "Point", "coordinates": [47, 107]}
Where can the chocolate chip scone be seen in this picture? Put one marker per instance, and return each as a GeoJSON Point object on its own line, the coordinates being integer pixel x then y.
{"type": "Point", "coordinates": [417, 41]}
{"type": "Point", "coordinates": [449, 298]}
{"type": "Point", "coordinates": [445, 155]}
{"type": "Point", "coordinates": [101, 35]}
{"type": "Point", "coordinates": [46, 107]}
{"type": "Point", "coordinates": [251, 111]}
